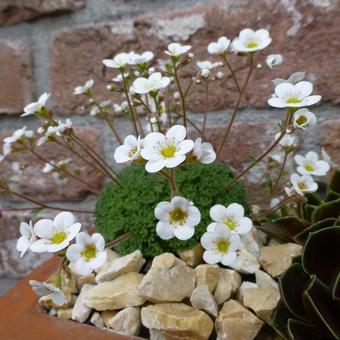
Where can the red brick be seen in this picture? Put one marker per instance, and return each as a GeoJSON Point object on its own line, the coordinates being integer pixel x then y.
{"type": "Point", "coordinates": [14, 11]}
{"type": "Point", "coordinates": [33, 182]}
{"type": "Point", "coordinates": [15, 75]}
{"type": "Point", "coordinates": [330, 140]}
{"type": "Point", "coordinates": [306, 45]}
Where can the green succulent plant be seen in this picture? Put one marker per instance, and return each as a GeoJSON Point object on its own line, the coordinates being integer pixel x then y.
{"type": "Point", "coordinates": [310, 288]}
{"type": "Point", "coordinates": [131, 207]}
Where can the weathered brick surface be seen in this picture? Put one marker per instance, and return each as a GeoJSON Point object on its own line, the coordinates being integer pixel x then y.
{"type": "Point", "coordinates": [330, 140]}
{"type": "Point", "coordinates": [45, 187]}
{"type": "Point", "coordinates": [16, 76]}
{"type": "Point", "coordinates": [304, 32]}
{"type": "Point", "coordinates": [14, 11]}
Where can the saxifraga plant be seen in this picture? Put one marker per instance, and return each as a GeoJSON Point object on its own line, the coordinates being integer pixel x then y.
{"type": "Point", "coordinates": [130, 208]}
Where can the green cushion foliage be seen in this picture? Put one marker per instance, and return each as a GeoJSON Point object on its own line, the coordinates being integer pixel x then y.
{"type": "Point", "coordinates": [131, 207]}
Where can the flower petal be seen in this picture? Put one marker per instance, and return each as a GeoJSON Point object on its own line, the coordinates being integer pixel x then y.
{"type": "Point", "coordinates": [164, 230]}
{"type": "Point", "coordinates": [211, 257]}
{"type": "Point", "coordinates": [43, 228]}
{"type": "Point", "coordinates": [218, 213]}
{"type": "Point", "coordinates": [184, 232]}
{"type": "Point", "coordinates": [73, 252]}
{"type": "Point", "coordinates": [63, 220]}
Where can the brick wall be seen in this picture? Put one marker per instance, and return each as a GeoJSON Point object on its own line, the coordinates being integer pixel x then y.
{"type": "Point", "coordinates": [54, 45]}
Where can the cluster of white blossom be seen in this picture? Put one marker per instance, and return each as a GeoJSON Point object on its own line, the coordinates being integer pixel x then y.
{"type": "Point", "coordinates": [54, 236]}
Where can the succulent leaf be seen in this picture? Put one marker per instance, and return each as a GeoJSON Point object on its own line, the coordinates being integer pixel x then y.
{"type": "Point", "coordinates": [325, 210]}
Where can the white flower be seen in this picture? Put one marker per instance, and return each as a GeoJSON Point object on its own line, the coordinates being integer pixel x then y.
{"type": "Point", "coordinates": [221, 246]}
{"type": "Point", "coordinates": [251, 41]}
{"type": "Point", "coordinates": [118, 61]}
{"type": "Point", "coordinates": [287, 141]}
{"type": "Point", "coordinates": [277, 157]}
{"type": "Point", "coordinates": [34, 107]}
{"type": "Point", "coordinates": [166, 150]}
{"type": "Point", "coordinates": [154, 83]}
{"type": "Point", "coordinates": [16, 136]}
{"type": "Point", "coordinates": [274, 202]}
{"type": "Point", "coordinates": [118, 108]}
{"type": "Point", "coordinates": [311, 165]}
{"type": "Point", "coordinates": [203, 152]}
{"type": "Point", "coordinates": [88, 253]}
{"type": "Point", "coordinates": [177, 218]}
{"type": "Point", "coordinates": [274, 60]}
{"type": "Point", "coordinates": [298, 95]}
{"type": "Point", "coordinates": [119, 77]}
{"type": "Point", "coordinates": [231, 217]}
{"type": "Point", "coordinates": [138, 59]}
{"type": "Point", "coordinates": [27, 237]}
{"type": "Point", "coordinates": [47, 289]}
{"type": "Point", "coordinates": [152, 123]}
{"type": "Point", "coordinates": [129, 151]}
{"type": "Point", "coordinates": [303, 118]}
{"type": "Point", "coordinates": [55, 235]}
{"type": "Point", "coordinates": [219, 47]}
{"type": "Point", "coordinates": [326, 157]}
{"type": "Point", "coordinates": [293, 79]}
{"type": "Point", "coordinates": [50, 168]}
{"type": "Point", "coordinates": [303, 184]}
{"type": "Point", "coordinates": [55, 130]}
{"type": "Point", "coordinates": [206, 67]}
{"type": "Point", "coordinates": [85, 88]}
{"type": "Point", "coordinates": [289, 191]}
{"type": "Point", "coordinates": [176, 49]}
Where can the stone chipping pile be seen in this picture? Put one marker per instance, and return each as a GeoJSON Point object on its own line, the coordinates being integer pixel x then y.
{"type": "Point", "coordinates": [178, 296]}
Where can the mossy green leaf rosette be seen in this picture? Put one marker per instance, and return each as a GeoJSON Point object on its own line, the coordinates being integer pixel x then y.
{"type": "Point", "coordinates": [131, 207]}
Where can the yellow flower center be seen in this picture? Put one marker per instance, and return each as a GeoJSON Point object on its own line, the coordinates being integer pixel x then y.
{"type": "Point", "coordinates": [89, 252]}
{"type": "Point", "coordinates": [251, 44]}
{"type": "Point", "coordinates": [178, 215]}
{"type": "Point", "coordinates": [132, 151]}
{"type": "Point", "coordinates": [168, 151]}
{"type": "Point", "coordinates": [302, 185]}
{"type": "Point", "coordinates": [230, 223]}
{"type": "Point", "coordinates": [222, 245]}
{"type": "Point", "coordinates": [309, 167]}
{"type": "Point", "coordinates": [59, 237]}
{"type": "Point", "coordinates": [293, 100]}
{"type": "Point", "coordinates": [301, 120]}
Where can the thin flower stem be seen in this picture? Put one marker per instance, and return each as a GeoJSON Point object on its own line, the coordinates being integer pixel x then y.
{"type": "Point", "coordinates": [132, 112]}
{"type": "Point", "coordinates": [272, 210]}
{"type": "Point", "coordinates": [171, 179]}
{"type": "Point", "coordinates": [233, 74]}
{"type": "Point", "coordinates": [237, 106]}
{"type": "Point", "coordinates": [43, 205]}
{"type": "Point", "coordinates": [206, 104]}
{"type": "Point", "coordinates": [181, 93]}
{"type": "Point", "coordinates": [107, 120]}
{"type": "Point", "coordinates": [118, 240]}
{"type": "Point", "coordinates": [281, 171]}
{"type": "Point", "coordinates": [65, 172]}
{"type": "Point", "coordinates": [82, 158]}
{"type": "Point", "coordinates": [259, 159]}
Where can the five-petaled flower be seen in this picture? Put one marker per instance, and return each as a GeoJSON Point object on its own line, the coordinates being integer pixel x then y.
{"type": "Point", "coordinates": [231, 217]}
{"type": "Point", "coordinates": [176, 49]}
{"type": "Point", "coordinates": [177, 218]}
{"type": "Point", "coordinates": [206, 67]}
{"type": "Point", "coordinates": [311, 165]}
{"type": "Point", "coordinates": [167, 150]}
{"type": "Point", "coordinates": [118, 61]}
{"type": "Point", "coordinates": [50, 290]}
{"type": "Point", "coordinates": [27, 237]}
{"type": "Point", "coordinates": [140, 59]}
{"type": "Point", "coordinates": [287, 142]}
{"type": "Point", "coordinates": [202, 152]}
{"type": "Point", "coordinates": [220, 245]}
{"type": "Point", "coordinates": [303, 118]}
{"type": "Point", "coordinates": [219, 47]}
{"type": "Point", "coordinates": [303, 184]}
{"type": "Point", "coordinates": [34, 107]}
{"type": "Point", "coordinates": [129, 151]}
{"type": "Point", "coordinates": [55, 235]}
{"type": "Point", "coordinates": [251, 41]}
{"type": "Point", "coordinates": [87, 253]}
{"type": "Point", "coordinates": [152, 84]}
{"type": "Point", "coordinates": [84, 88]}
{"type": "Point", "coordinates": [295, 96]}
